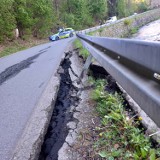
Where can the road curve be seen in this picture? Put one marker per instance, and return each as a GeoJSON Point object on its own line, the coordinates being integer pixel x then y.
{"type": "Point", "coordinates": [23, 77]}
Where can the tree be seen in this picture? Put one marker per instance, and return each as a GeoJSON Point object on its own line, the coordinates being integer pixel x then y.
{"type": "Point", "coordinates": [22, 16]}
{"type": "Point", "coordinates": [42, 16]}
{"type": "Point", "coordinates": [112, 8]}
{"type": "Point", "coordinates": [121, 8]}
{"type": "Point", "coordinates": [76, 12]}
{"type": "Point", "coordinates": [7, 20]}
{"type": "Point", "coordinates": [34, 17]}
{"type": "Point", "coordinates": [98, 9]}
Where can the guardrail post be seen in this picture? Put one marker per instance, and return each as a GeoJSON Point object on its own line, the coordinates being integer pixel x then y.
{"type": "Point", "coordinates": [85, 67]}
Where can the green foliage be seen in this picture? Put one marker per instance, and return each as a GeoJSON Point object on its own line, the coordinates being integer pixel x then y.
{"type": "Point", "coordinates": [75, 13]}
{"type": "Point", "coordinates": [7, 20]}
{"type": "Point", "coordinates": [19, 45]}
{"type": "Point", "coordinates": [124, 8]}
{"type": "Point", "coordinates": [81, 14]}
{"type": "Point", "coordinates": [82, 51]}
{"type": "Point", "coordinates": [142, 7]}
{"type": "Point", "coordinates": [22, 16]}
{"type": "Point", "coordinates": [127, 22]}
{"type": "Point", "coordinates": [39, 17]}
{"type": "Point", "coordinates": [12, 49]}
{"type": "Point", "coordinates": [69, 19]}
{"type": "Point", "coordinates": [121, 8]}
{"type": "Point", "coordinates": [44, 19]}
{"type": "Point", "coordinates": [91, 33]}
{"type": "Point", "coordinates": [98, 9]}
{"type": "Point", "coordinates": [134, 30]}
{"type": "Point", "coordinates": [119, 135]}
{"type": "Point", "coordinates": [78, 44]}
{"type": "Point", "coordinates": [30, 17]}
{"type": "Point", "coordinates": [101, 30]}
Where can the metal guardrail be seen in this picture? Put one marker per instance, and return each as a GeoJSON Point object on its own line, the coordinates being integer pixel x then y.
{"type": "Point", "coordinates": [134, 64]}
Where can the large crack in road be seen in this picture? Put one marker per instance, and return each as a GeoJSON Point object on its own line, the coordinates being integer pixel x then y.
{"type": "Point", "coordinates": [58, 130]}
{"type": "Point", "coordinates": [54, 144]}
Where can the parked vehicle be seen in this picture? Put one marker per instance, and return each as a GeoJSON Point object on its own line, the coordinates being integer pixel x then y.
{"type": "Point", "coordinates": [63, 33]}
{"type": "Point", "coordinates": [111, 19]}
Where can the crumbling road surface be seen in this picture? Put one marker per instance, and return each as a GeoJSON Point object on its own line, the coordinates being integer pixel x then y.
{"type": "Point", "coordinates": [25, 78]}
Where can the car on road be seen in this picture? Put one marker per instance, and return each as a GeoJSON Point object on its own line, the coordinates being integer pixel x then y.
{"type": "Point", "coordinates": [63, 33]}
{"type": "Point", "coordinates": [111, 19]}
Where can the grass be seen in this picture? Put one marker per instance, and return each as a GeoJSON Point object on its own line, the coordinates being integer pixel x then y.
{"type": "Point", "coordinates": [11, 49]}
{"type": "Point", "coordinates": [18, 45]}
{"type": "Point", "coordinates": [91, 33]}
{"type": "Point", "coordinates": [118, 135]}
{"type": "Point", "coordinates": [127, 22]}
{"type": "Point", "coordinates": [134, 30]}
{"type": "Point", "coordinates": [82, 51]}
{"type": "Point", "coordinates": [94, 32]}
{"type": "Point", "coordinates": [101, 30]}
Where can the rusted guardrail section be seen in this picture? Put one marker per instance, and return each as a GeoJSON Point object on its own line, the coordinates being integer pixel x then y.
{"type": "Point", "coordinates": [134, 64]}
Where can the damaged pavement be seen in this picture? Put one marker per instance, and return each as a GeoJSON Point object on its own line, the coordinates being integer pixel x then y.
{"type": "Point", "coordinates": [70, 135]}
{"type": "Point", "coordinates": [72, 112]}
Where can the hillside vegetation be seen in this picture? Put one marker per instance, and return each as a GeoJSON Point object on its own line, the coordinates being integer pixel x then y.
{"type": "Point", "coordinates": [39, 18]}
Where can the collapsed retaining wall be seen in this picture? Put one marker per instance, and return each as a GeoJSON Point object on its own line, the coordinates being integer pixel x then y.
{"type": "Point", "coordinates": [123, 28]}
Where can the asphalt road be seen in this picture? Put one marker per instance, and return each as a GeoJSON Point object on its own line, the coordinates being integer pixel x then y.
{"type": "Point", "coordinates": [23, 77]}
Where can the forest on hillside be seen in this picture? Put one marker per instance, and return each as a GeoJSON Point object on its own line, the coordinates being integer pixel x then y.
{"type": "Point", "coordinates": [39, 18]}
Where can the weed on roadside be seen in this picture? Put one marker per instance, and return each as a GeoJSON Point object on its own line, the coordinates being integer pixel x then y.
{"type": "Point", "coordinates": [91, 33]}
{"type": "Point", "coordinates": [18, 45]}
{"type": "Point", "coordinates": [134, 30]}
{"type": "Point", "coordinates": [82, 51]}
{"type": "Point", "coordinates": [118, 136]}
{"type": "Point", "coordinates": [11, 49]}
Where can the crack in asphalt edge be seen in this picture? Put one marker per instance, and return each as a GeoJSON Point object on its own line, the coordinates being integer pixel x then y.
{"type": "Point", "coordinates": [62, 114]}
{"type": "Point", "coordinates": [74, 72]}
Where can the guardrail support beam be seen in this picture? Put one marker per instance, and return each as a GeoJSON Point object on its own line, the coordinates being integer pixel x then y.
{"type": "Point", "coordinates": [86, 66]}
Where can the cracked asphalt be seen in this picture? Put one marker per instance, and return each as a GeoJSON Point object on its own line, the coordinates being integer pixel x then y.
{"type": "Point", "coordinates": [62, 115]}
{"type": "Point", "coordinates": [23, 78]}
